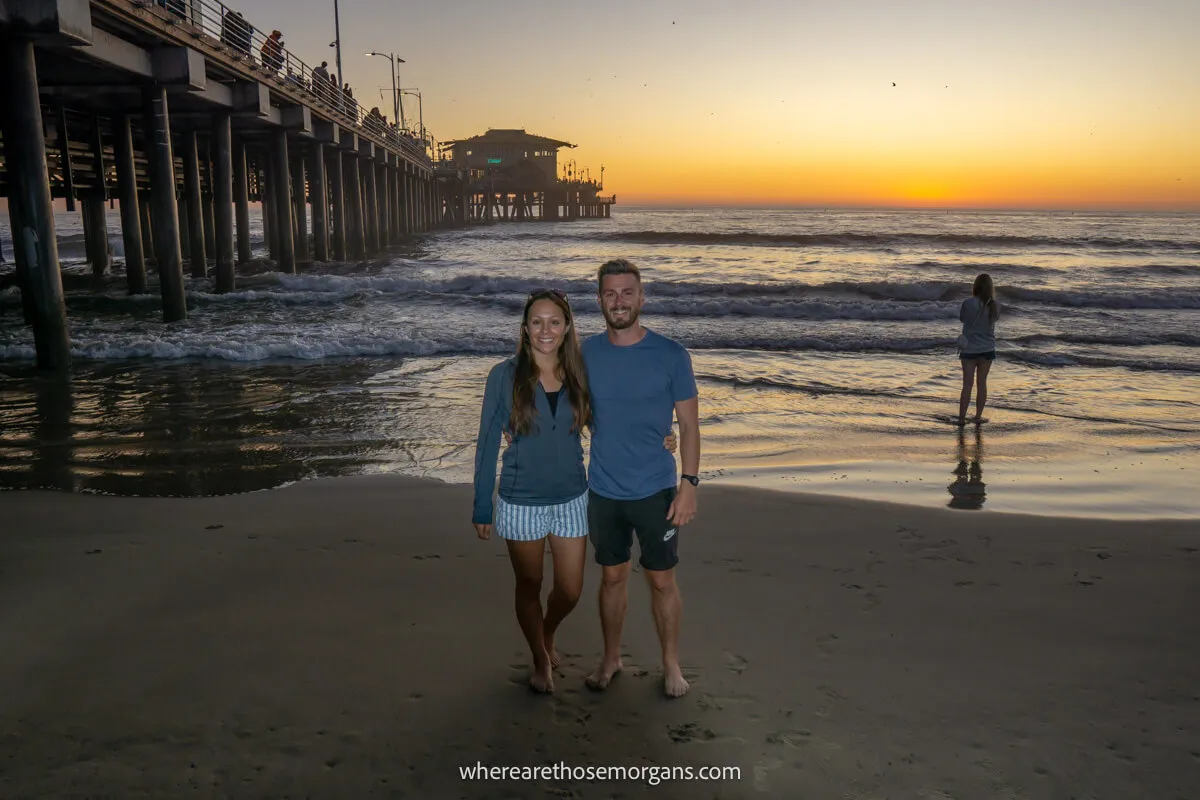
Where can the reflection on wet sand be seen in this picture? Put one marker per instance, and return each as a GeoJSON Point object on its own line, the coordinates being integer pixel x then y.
{"type": "Point", "coordinates": [187, 432]}
{"type": "Point", "coordinates": [968, 491]}
{"type": "Point", "coordinates": [196, 429]}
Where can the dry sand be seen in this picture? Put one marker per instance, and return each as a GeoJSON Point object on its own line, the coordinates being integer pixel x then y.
{"type": "Point", "coordinates": [352, 638]}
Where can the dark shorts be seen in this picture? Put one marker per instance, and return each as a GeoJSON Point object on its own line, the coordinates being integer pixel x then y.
{"type": "Point", "coordinates": [990, 355]}
{"type": "Point", "coordinates": [612, 524]}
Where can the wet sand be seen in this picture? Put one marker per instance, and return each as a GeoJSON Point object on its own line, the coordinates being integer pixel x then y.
{"type": "Point", "coordinates": [349, 638]}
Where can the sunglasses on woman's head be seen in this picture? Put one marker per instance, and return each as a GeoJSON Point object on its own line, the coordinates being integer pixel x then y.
{"type": "Point", "coordinates": [560, 294]}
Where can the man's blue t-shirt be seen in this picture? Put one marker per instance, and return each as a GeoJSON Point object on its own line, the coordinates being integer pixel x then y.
{"type": "Point", "coordinates": [634, 391]}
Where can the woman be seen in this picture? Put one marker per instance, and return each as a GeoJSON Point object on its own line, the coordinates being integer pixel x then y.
{"type": "Point", "coordinates": [977, 344]}
{"type": "Point", "coordinates": [538, 399]}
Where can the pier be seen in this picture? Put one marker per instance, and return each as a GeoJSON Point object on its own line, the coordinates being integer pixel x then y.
{"type": "Point", "coordinates": [182, 113]}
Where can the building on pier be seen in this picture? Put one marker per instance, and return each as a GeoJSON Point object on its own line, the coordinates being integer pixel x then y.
{"type": "Point", "coordinates": [514, 175]}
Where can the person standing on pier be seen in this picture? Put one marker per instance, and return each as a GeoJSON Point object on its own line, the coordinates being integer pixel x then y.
{"type": "Point", "coordinates": [272, 51]}
{"type": "Point", "coordinates": [639, 379]}
{"type": "Point", "coordinates": [235, 32]}
{"type": "Point", "coordinates": [320, 80]}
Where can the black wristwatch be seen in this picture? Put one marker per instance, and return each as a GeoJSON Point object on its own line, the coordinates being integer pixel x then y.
{"type": "Point", "coordinates": [692, 479]}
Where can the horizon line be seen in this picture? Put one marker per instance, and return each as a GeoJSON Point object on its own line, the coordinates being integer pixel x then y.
{"type": "Point", "coordinates": [884, 207]}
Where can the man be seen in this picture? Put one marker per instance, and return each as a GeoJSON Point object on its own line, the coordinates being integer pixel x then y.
{"type": "Point", "coordinates": [320, 80]}
{"type": "Point", "coordinates": [637, 379]}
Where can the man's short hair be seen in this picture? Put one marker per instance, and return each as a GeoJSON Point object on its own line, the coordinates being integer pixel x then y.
{"type": "Point", "coordinates": [617, 266]}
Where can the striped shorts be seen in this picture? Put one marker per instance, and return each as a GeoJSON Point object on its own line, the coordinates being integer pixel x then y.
{"type": "Point", "coordinates": [530, 523]}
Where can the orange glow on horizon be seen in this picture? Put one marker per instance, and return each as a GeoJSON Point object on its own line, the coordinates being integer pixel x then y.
{"type": "Point", "coordinates": [1079, 181]}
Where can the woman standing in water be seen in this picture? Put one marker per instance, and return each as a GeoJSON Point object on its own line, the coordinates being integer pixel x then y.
{"type": "Point", "coordinates": [539, 400]}
{"type": "Point", "coordinates": [977, 344]}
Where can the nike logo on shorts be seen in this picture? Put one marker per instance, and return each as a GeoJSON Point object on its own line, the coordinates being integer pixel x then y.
{"type": "Point", "coordinates": [669, 534]}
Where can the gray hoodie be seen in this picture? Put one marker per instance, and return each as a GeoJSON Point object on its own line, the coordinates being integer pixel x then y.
{"type": "Point", "coordinates": [978, 326]}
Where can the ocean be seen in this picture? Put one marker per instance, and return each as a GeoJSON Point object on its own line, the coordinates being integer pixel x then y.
{"type": "Point", "coordinates": [823, 344]}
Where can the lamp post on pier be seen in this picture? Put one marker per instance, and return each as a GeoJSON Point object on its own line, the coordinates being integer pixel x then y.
{"type": "Point", "coordinates": [337, 43]}
{"type": "Point", "coordinates": [420, 109]}
{"type": "Point", "coordinates": [397, 107]}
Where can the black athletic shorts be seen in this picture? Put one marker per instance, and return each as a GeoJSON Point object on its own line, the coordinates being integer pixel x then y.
{"type": "Point", "coordinates": [612, 524]}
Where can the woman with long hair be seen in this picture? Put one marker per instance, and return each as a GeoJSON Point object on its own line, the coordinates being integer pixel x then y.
{"type": "Point", "coordinates": [977, 344]}
{"type": "Point", "coordinates": [538, 401]}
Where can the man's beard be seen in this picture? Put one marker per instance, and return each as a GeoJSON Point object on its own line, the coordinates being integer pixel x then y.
{"type": "Point", "coordinates": [622, 324]}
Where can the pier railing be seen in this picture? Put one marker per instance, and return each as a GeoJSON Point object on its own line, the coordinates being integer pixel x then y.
{"type": "Point", "coordinates": [242, 40]}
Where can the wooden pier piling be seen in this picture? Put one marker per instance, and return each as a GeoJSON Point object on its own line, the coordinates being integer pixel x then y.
{"type": "Point", "coordinates": [241, 199]}
{"type": "Point", "coordinates": [165, 218]}
{"type": "Point", "coordinates": [195, 206]}
{"type": "Point", "coordinates": [147, 227]}
{"type": "Point", "coordinates": [299, 208]}
{"type": "Point", "coordinates": [354, 210]}
{"type": "Point", "coordinates": [370, 205]}
{"type": "Point", "coordinates": [131, 208]}
{"type": "Point", "coordinates": [222, 189]}
{"type": "Point", "coordinates": [337, 183]}
{"type": "Point", "coordinates": [320, 201]}
{"type": "Point", "coordinates": [95, 233]}
{"type": "Point", "coordinates": [282, 200]}
{"type": "Point", "coordinates": [35, 244]}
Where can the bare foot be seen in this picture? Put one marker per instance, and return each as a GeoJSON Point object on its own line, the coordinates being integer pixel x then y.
{"type": "Point", "coordinates": [548, 638]}
{"type": "Point", "coordinates": [602, 677]}
{"type": "Point", "coordinates": [542, 679]}
{"type": "Point", "coordinates": [674, 684]}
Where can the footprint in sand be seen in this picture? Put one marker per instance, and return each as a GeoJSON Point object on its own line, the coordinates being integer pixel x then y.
{"type": "Point", "coordinates": [825, 644]}
{"type": "Point", "coordinates": [1000, 786]}
{"type": "Point", "coordinates": [712, 702]}
{"type": "Point", "coordinates": [519, 674]}
{"type": "Point", "coordinates": [796, 738]}
{"type": "Point", "coordinates": [690, 732]}
{"type": "Point", "coordinates": [915, 548]}
{"type": "Point", "coordinates": [735, 663]}
{"type": "Point", "coordinates": [872, 599]}
{"type": "Point", "coordinates": [831, 693]}
{"type": "Point", "coordinates": [565, 713]}
{"type": "Point", "coordinates": [762, 773]}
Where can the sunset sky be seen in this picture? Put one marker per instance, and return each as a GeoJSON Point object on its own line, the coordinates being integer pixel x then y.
{"type": "Point", "coordinates": [781, 102]}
